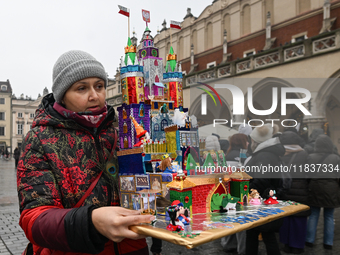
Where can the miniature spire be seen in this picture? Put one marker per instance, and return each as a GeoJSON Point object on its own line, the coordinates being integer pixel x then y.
{"type": "Point", "coordinates": [139, 130]}
{"type": "Point", "coordinates": [130, 52]}
{"type": "Point", "coordinates": [172, 59]}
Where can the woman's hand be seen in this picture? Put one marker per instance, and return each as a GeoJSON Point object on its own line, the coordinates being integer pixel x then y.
{"type": "Point", "coordinates": [113, 222]}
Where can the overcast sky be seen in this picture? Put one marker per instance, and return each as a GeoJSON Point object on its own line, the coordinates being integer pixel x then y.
{"type": "Point", "coordinates": [34, 33]}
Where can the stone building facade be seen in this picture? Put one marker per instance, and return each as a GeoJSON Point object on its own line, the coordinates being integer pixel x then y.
{"type": "Point", "coordinates": [261, 45]}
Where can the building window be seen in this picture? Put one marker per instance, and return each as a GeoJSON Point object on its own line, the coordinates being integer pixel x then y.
{"type": "Point", "coordinates": [20, 129]}
{"type": "Point", "coordinates": [119, 89]}
{"type": "Point", "coordinates": [160, 91]}
{"type": "Point", "coordinates": [211, 64]}
{"type": "Point", "coordinates": [299, 37]}
{"type": "Point", "coordinates": [2, 100]}
{"type": "Point", "coordinates": [2, 116]}
{"type": "Point", "coordinates": [3, 87]}
{"type": "Point", "coordinates": [156, 128]}
{"type": "Point", "coordinates": [164, 124]}
{"type": "Point", "coordinates": [2, 131]}
{"type": "Point", "coordinates": [248, 53]}
{"type": "Point", "coordinates": [32, 115]}
{"type": "Point", "coordinates": [19, 114]}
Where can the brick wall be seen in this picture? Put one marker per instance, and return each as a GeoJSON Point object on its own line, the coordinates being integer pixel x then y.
{"type": "Point", "coordinates": [199, 196]}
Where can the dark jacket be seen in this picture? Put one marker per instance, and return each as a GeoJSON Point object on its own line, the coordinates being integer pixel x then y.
{"type": "Point", "coordinates": [16, 153]}
{"type": "Point", "coordinates": [324, 192]}
{"type": "Point", "coordinates": [234, 155]}
{"type": "Point", "coordinates": [295, 156]}
{"type": "Point", "coordinates": [309, 147]}
{"type": "Point", "coordinates": [60, 160]}
{"type": "Point", "coordinates": [267, 153]}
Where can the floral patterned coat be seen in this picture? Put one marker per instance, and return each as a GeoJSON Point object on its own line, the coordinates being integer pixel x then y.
{"type": "Point", "coordinates": [59, 161]}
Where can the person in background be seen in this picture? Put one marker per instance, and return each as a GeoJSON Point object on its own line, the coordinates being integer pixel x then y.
{"type": "Point", "coordinates": [266, 151]}
{"type": "Point", "coordinates": [245, 129]}
{"type": "Point", "coordinates": [294, 228]}
{"type": "Point", "coordinates": [66, 152]}
{"type": "Point", "coordinates": [323, 192]}
{"type": "Point", "coordinates": [237, 142]}
{"type": "Point", "coordinates": [236, 242]}
{"type": "Point", "coordinates": [309, 147]}
{"type": "Point", "coordinates": [212, 143]}
{"type": "Point", "coordinates": [224, 143]}
{"type": "Point", "coordinates": [16, 156]}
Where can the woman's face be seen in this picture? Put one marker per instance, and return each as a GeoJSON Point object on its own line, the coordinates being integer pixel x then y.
{"type": "Point", "coordinates": [85, 95]}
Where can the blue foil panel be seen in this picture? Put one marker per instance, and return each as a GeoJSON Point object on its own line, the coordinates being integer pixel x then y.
{"type": "Point", "coordinates": [173, 75]}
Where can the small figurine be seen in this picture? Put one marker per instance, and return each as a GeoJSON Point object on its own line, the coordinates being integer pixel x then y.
{"type": "Point", "coordinates": [166, 165]}
{"type": "Point", "coordinates": [255, 197]}
{"type": "Point", "coordinates": [229, 202]}
{"type": "Point", "coordinates": [172, 211]}
{"type": "Point", "coordinates": [272, 200]}
{"type": "Point", "coordinates": [182, 214]}
{"type": "Point", "coordinates": [142, 134]}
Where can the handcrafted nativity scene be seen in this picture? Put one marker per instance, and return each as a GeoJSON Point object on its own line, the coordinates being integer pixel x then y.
{"type": "Point", "coordinates": [160, 152]}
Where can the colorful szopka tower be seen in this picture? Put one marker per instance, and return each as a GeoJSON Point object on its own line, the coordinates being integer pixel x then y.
{"type": "Point", "coordinates": [133, 99]}
{"type": "Point", "coordinates": [173, 80]}
{"type": "Point", "coordinates": [152, 65]}
{"type": "Point", "coordinates": [131, 73]}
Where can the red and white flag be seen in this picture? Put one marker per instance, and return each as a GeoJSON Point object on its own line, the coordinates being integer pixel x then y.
{"type": "Point", "coordinates": [146, 16]}
{"type": "Point", "coordinates": [175, 24]}
{"type": "Point", "coordinates": [123, 10]}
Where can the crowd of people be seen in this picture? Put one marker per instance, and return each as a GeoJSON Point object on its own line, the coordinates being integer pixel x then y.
{"type": "Point", "coordinates": [69, 204]}
{"type": "Point", "coordinates": [265, 145]}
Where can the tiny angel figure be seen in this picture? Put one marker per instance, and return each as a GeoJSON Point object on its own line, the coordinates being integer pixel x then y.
{"type": "Point", "coordinates": [255, 197]}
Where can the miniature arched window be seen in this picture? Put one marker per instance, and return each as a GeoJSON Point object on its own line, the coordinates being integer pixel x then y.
{"type": "Point", "coordinates": [156, 128]}
{"type": "Point", "coordinates": [126, 143]}
{"type": "Point", "coordinates": [125, 129]}
{"type": "Point", "coordinates": [164, 124]}
{"type": "Point", "coordinates": [149, 43]}
{"type": "Point", "coordinates": [145, 43]}
{"type": "Point", "coordinates": [124, 114]}
{"type": "Point", "coordinates": [141, 111]}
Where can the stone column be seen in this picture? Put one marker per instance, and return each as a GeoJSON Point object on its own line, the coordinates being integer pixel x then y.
{"type": "Point", "coordinates": [269, 41]}
{"type": "Point", "coordinates": [327, 22]}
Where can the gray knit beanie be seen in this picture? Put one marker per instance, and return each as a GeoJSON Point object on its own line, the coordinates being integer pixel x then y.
{"type": "Point", "coordinates": [74, 66]}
